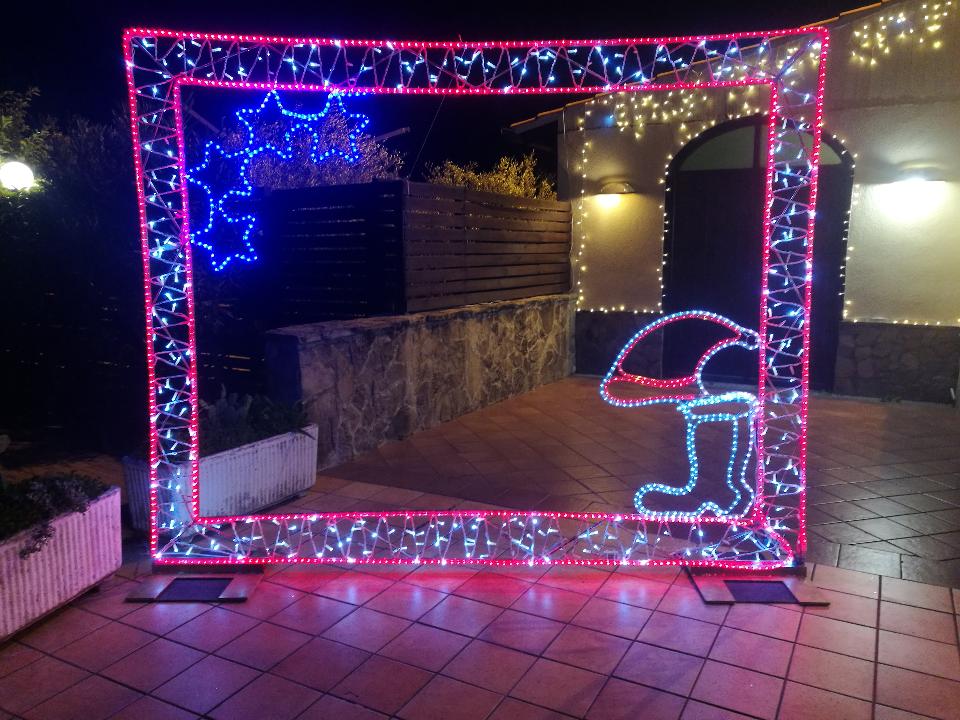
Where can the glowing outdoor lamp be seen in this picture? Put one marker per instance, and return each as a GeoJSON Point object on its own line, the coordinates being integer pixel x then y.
{"type": "Point", "coordinates": [16, 176]}
{"type": "Point", "coordinates": [610, 193]}
{"type": "Point", "coordinates": [916, 193]}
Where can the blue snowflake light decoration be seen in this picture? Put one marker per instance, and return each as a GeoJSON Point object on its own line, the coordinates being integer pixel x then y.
{"type": "Point", "coordinates": [223, 176]}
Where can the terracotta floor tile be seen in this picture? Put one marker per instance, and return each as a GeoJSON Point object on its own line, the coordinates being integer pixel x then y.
{"type": "Point", "coordinates": [268, 696]}
{"type": "Point", "coordinates": [109, 600]}
{"type": "Point", "coordinates": [312, 614]}
{"type": "Point", "coordinates": [686, 601]}
{"type": "Point", "coordinates": [306, 578]}
{"type": "Point", "coordinates": [802, 701]}
{"type": "Point", "coordinates": [467, 617]}
{"type": "Point", "coordinates": [382, 684]}
{"type": "Point", "coordinates": [917, 594]}
{"type": "Point", "coordinates": [612, 617]}
{"type": "Point", "coordinates": [405, 600]}
{"type": "Point", "coordinates": [425, 646]}
{"type": "Point", "coordinates": [847, 608]}
{"type": "Point", "coordinates": [104, 646]}
{"type": "Point", "coordinates": [583, 580]}
{"type": "Point", "coordinates": [161, 618]}
{"type": "Point", "coordinates": [701, 711]}
{"type": "Point", "coordinates": [882, 712]}
{"type": "Point", "coordinates": [329, 707]}
{"type": "Point", "coordinates": [632, 590]}
{"type": "Point", "coordinates": [207, 684]}
{"type": "Point", "coordinates": [14, 655]}
{"type": "Point", "coordinates": [910, 620]}
{"type": "Point", "coordinates": [848, 581]}
{"type": "Point", "coordinates": [367, 629]}
{"type": "Point", "coordinates": [148, 708]}
{"type": "Point", "coordinates": [559, 687]}
{"type": "Point", "coordinates": [490, 666]}
{"type": "Point", "coordinates": [587, 649]}
{"type": "Point", "coordinates": [153, 664]}
{"type": "Point", "coordinates": [752, 651]}
{"type": "Point", "coordinates": [511, 709]}
{"type": "Point", "coordinates": [660, 668]}
{"type": "Point", "coordinates": [621, 700]}
{"type": "Point", "coordinates": [493, 588]}
{"type": "Point", "coordinates": [830, 671]}
{"type": "Point", "coordinates": [663, 574]}
{"type": "Point", "coordinates": [354, 587]}
{"type": "Point", "coordinates": [37, 682]}
{"type": "Point", "coordinates": [923, 694]}
{"type": "Point", "coordinates": [63, 628]}
{"type": "Point", "coordinates": [738, 689]}
{"type": "Point", "coordinates": [212, 629]}
{"type": "Point", "coordinates": [840, 637]}
{"type": "Point", "coordinates": [914, 653]}
{"type": "Point", "coordinates": [768, 620]}
{"type": "Point", "coordinates": [267, 601]}
{"type": "Point", "coordinates": [444, 579]}
{"type": "Point", "coordinates": [679, 633]}
{"type": "Point", "coordinates": [263, 646]}
{"type": "Point", "coordinates": [880, 561]}
{"type": "Point", "coordinates": [447, 699]}
{"type": "Point", "coordinates": [93, 698]}
{"type": "Point", "coordinates": [884, 528]}
{"type": "Point", "coordinates": [551, 602]}
{"type": "Point", "coordinates": [839, 532]}
{"type": "Point", "coordinates": [521, 631]}
{"type": "Point", "coordinates": [320, 663]}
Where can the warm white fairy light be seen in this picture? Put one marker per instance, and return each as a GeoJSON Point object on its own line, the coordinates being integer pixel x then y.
{"type": "Point", "coordinates": [689, 113]}
{"type": "Point", "coordinates": [920, 25]}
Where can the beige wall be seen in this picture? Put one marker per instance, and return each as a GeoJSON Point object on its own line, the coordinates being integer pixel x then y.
{"type": "Point", "coordinates": [902, 109]}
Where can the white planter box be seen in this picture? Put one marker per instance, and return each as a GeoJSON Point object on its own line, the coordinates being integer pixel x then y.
{"type": "Point", "coordinates": [84, 550]}
{"type": "Point", "coordinates": [238, 481]}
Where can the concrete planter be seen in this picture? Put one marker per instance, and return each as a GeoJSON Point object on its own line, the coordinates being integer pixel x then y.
{"type": "Point", "coordinates": [238, 481]}
{"type": "Point", "coordinates": [84, 550]}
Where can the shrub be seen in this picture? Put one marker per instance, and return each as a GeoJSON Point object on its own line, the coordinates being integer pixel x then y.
{"type": "Point", "coordinates": [235, 420]}
{"type": "Point", "coordinates": [510, 176]}
{"type": "Point", "coordinates": [34, 503]}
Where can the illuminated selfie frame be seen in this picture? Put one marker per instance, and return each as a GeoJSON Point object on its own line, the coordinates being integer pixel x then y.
{"type": "Point", "coordinates": [790, 62]}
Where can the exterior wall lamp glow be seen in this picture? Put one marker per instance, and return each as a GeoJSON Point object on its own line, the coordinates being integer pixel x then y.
{"type": "Point", "coordinates": [610, 193]}
{"type": "Point", "coordinates": [916, 192]}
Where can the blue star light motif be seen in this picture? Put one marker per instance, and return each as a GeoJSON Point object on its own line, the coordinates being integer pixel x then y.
{"type": "Point", "coordinates": [230, 221]}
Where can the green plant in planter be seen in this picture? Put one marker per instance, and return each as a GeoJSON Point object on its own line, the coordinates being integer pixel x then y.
{"type": "Point", "coordinates": [235, 420]}
{"type": "Point", "coordinates": [33, 504]}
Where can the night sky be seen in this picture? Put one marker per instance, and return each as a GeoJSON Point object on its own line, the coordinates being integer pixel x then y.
{"type": "Point", "coordinates": [86, 40]}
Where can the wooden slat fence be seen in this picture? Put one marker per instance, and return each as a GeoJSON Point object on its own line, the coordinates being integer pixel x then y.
{"type": "Point", "coordinates": [463, 246]}
{"type": "Point", "coordinates": [383, 248]}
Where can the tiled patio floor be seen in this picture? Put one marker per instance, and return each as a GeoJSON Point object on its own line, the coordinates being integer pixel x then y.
{"type": "Point", "coordinates": [884, 477]}
{"type": "Point", "coordinates": [513, 644]}
{"type": "Point", "coordinates": [460, 643]}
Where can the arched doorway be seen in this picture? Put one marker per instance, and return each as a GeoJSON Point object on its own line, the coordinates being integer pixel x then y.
{"type": "Point", "coordinates": [713, 238]}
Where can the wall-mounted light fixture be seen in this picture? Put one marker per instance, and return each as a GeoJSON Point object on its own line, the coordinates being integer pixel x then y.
{"type": "Point", "coordinates": [617, 187]}
{"type": "Point", "coordinates": [915, 193]}
{"type": "Point", "coordinates": [611, 192]}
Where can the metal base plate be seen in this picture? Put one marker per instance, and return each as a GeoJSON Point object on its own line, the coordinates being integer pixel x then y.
{"type": "Point", "coordinates": [189, 587]}
{"type": "Point", "coordinates": [727, 588]}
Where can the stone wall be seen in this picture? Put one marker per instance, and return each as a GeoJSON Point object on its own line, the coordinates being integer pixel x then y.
{"type": "Point", "coordinates": [601, 335]}
{"type": "Point", "coordinates": [371, 380]}
{"type": "Point", "coordinates": [909, 362]}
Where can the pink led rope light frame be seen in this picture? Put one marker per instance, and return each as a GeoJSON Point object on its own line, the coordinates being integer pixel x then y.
{"type": "Point", "coordinates": [774, 537]}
